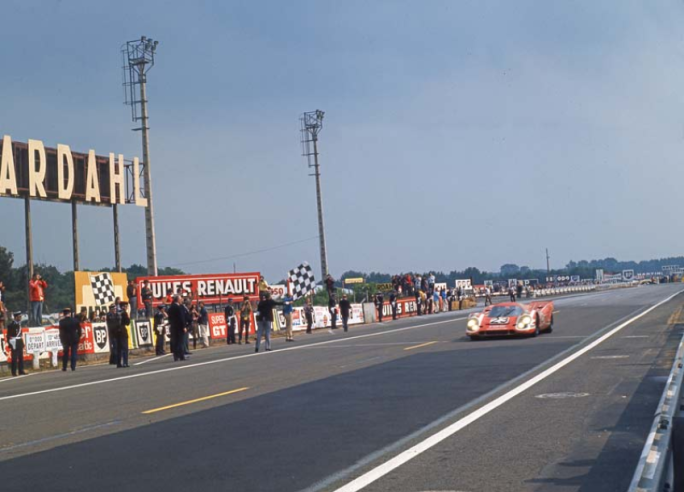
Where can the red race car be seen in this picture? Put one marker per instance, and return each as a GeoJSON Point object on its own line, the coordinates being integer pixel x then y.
{"type": "Point", "coordinates": [511, 318]}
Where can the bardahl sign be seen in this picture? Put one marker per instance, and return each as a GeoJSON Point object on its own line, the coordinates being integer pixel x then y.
{"type": "Point", "coordinates": [34, 171]}
{"type": "Point", "coordinates": [210, 289]}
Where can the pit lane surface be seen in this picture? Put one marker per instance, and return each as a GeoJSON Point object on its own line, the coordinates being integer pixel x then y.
{"type": "Point", "coordinates": [321, 412]}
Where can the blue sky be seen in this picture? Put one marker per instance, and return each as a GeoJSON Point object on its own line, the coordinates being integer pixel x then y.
{"type": "Point", "coordinates": [457, 133]}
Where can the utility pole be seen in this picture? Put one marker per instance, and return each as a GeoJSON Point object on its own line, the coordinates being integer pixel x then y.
{"type": "Point", "coordinates": [311, 126]}
{"type": "Point", "coordinates": [548, 265]}
{"type": "Point", "coordinates": [138, 60]}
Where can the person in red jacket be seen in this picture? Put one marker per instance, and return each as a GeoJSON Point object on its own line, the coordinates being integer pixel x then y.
{"type": "Point", "coordinates": [37, 288]}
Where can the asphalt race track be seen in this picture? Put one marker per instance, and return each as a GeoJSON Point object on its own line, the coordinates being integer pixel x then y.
{"type": "Point", "coordinates": [411, 405]}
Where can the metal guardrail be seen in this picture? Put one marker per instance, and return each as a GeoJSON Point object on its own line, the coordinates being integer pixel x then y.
{"type": "Point", "coordinates": [661, 466]}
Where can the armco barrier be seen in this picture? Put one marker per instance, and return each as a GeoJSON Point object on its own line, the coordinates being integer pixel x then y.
{"type": "Point", "coordinates": [661, 466]}
{"type": "Point", "coordinates": [563, 290]}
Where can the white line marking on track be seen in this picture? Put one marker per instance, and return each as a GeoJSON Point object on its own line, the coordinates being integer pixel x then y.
{"type": "Point", "coordinates": [611, 357]}
{"type": "Point", "coordinates": [227, 359]}
{"type": "Point", "coordinates": [150, 360]}
{"type": "Point", "coordinates": [15, 378]}
{"type": "Point", "coordinates": [636, 336]}
{"type": "Point", "coordinates": [404, 457]}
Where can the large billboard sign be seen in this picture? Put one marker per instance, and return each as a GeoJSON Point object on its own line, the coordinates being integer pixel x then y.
{"type": "Point", "coordinates": [209, 288]}
{"type": "Point", "coordinates": [33, 170]}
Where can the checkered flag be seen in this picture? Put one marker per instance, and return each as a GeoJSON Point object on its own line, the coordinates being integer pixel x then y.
{"type": "Point", "coordinates": [103, 288]}
{"type": "Point", "coordinates": [301, 280]}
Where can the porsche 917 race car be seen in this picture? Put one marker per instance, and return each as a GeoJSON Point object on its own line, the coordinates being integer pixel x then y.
{"type": "Point", "coordinates": [511, 318]}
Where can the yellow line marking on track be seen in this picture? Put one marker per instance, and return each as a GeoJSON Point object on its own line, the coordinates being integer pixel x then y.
{"type": "Point", "coordinates": [189, 402]}
{"type": "Point", "coordinates": [421, 345]}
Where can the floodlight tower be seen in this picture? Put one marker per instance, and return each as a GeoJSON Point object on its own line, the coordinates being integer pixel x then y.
{"type": "Point", "coordinates": [311, 126]}
{"type": "Point", "coordinates": [138, 59]}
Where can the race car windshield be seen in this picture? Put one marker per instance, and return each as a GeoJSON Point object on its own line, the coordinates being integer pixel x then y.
{"type": "Point", "coordinates": [505, 311]}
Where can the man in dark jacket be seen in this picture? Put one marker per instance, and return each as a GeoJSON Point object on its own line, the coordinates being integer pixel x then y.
{"type": "Point", "coordinates": [113, 325]}
{"type": "Point", "coordinates": [265, 319]}
{"type": "Point", "coordinates": [69, 335]}
{"type": "Point", "coordinates": [177, 329]}
{"type": "Point", "coordinates": [345, 311]}
{"type": "Point", "coordinates": [16, 344]}
{"type": "Point", "coordinates": [379, 302]}
{"type": "Point", "coordinates": [393, 304]}
{"type": "Point", "coordinates": [229, 313]}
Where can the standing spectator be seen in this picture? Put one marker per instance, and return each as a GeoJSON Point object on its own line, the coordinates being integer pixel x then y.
{"type": "Point", "coordinates": [431, 283]}
{"type": "Point", "coordinates": [287, 314]}
{"type": "Point", "coordinates": [132, 293]}
{"type": "Point", "coordinates": [419, 302]}
{"type": "Point", "coordinates": [229, 312]}
{"type": "Point", "coordinates": [308, 314]}
{"type": "Point", "coordinates": [245, 319]}
{"type": "Point", "coordinates": [203, 325]}
{"type": "Point", "coordinates": [519, 290]}
{"type": "Point", "coordinates": [379, 301]}
{"type": "Point", "coordinates": [423, 301]}
{"type": "Point", "coordinates": [16, 344]}
{"type": "Point", "coordinates": [345, 311]}
{"type": "Point", "coordinates": [69, 336]}
{"type": "Point", "coordinates": [511, 294]}
{"type": "Point", "coordinates": [332, 309]}
{"type": "Point", "coordinates": [83, 316]}
{"type": "Point", "coordinates": [122, 340]}
{"type": "Point", "coordinates": [177, 328]}
{"type": "Point", "coordinates": [113, 320]}
{"type": "Point", "coordinates": [169, 297]}
{"type": "Point", "coordinates": [194, 326]}
{"type": "Point", "coordinates": [37, 288]}
{"type": "Point", "coordinates": [330, 285]}
{"type": "Point", "coordinates": [393, 304]}
{"type": "Point", "coordinates": [3, 313]}
{"type": "Point", "coordinates": [146, 295]}
{"type": "Point", "coordinates": [160, 329]}
{"type": "Point", "coordinates": [187, 319]}
{"type": "Point", "coordinates": [263, 286]}
{"type": "Point", "coordinates": [265, 320]}
{"type": "Point", "coordinates": [488, 296]}
{"type": "Point", "coordinates": [435, 301]}
{"type": "Point", "coordinates": [444, 299]}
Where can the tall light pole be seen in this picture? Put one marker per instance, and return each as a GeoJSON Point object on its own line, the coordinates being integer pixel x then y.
{"type": "Point", "coordinates": [138, 58]}
{"type": "Point", "coordinates": [311, 126]}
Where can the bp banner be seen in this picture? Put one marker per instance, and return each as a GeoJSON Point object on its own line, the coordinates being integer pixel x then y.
{"type": "Point", "coordinates": [143, 331]}
{"type": "Point", "coordinates": [210, 289]}
{"type": "Point", "coordinates": [97, 290]}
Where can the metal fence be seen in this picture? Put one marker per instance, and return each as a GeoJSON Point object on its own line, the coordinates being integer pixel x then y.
{"type": "Point", "coordinates": [661, 466]}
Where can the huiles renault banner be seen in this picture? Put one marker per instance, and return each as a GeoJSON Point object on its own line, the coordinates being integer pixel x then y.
{"type": "Point", "coordinates": [207, 288]}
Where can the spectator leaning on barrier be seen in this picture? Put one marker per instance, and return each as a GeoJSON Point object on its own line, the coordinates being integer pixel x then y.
{"type": "Point", "coordinates": [245, 319]}
{"type": "Point", "coordinates": [132, 294]}
{"type": "Point", "coordinates": [16, 344]}
{"type": "Point", "coordinates": [37, 288]}
{"type": "Point", "coordinates": [345, 312]}
{"type": "Point", "coordinates": [160, 329]}
{"type": "Point", "coordinates": [69, 336]}
{"type": "Point", "coordinates": [203, 325]}
{"type": "Point", "coordinates": [146, 296]}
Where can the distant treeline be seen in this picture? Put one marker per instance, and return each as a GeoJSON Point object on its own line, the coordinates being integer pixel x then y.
{"type": "Point", "coordinates": [583, 268]}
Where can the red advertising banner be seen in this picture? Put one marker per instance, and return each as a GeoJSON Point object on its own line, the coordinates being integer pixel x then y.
{"type": "Point", "coordinates": [405, 307]}
{"type": "Point", "coordinates": [218, 328]}
{"type": "Point", "coordinates": [210, 288]}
